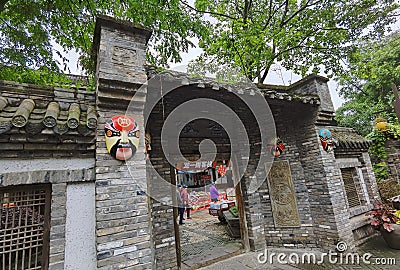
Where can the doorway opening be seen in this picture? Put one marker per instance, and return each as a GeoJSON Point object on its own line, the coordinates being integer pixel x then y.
{"type": "Point", "coordinates": [211, 225]}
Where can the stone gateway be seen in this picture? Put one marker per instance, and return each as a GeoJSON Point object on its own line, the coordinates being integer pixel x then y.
{"type": "Point", "coordinates": [112, 212]}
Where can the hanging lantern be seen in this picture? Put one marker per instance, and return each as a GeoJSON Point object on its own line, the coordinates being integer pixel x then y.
{"type": "Point", "coordinates": [381, 124]}
{"type": "Point", "coordinates": [221, 170]}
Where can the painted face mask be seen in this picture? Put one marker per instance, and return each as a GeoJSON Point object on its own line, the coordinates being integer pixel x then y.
{"type": "Point", "coordinates": [122, 136]}
{"type": "Point", "coordinates": [276, 147]}
{"type": "Point", "coordinates": [325, 137]}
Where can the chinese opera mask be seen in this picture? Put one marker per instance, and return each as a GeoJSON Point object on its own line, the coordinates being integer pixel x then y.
{"type": "Point", "coordinates": [122, 136]}
{"type": "Point", "coordinates": [325, 137]}
{"type": "Point", "coordinates": [276, 147]}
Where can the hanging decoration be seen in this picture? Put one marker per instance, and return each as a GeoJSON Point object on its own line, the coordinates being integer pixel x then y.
{"type": "Point", "coordinates": [325, 137]}
{"type": "Point", "coordinates": [122, 136]}
{"type": "Point", "coordinates": [276, 147]}
{"type": "Point", "coordinates": [221, 170]}
{"type": "Point", "coordinates": [381, 125]}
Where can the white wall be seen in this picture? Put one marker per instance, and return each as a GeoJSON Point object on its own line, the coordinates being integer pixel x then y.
{"type": "Point", "coordinates": [80, 239]}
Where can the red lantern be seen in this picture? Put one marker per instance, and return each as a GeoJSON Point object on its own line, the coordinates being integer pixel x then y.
{"type": "Point", "coordinates": [221, 170]}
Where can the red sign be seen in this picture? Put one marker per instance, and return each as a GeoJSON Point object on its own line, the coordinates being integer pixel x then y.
{"type": "Point", "coordinates": [195, 166]}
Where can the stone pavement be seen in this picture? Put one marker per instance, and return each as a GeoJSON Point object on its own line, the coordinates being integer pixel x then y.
{"type": "Point", "coordinates": [204, 239]}
{"type": "Point", "coordinates": [375, 246]}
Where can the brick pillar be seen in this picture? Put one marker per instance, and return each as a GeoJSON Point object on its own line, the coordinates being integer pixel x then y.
{"type": "Point", "coordinates": [122, 217]}
{"type": "Point", "coordinates": [369, 178]}
{"type": "Point", "coordinates": [392, 147]}
{"type": "Point", "coordinates": [326, 191]}
{"type": "Point", "coordinates": [323, 177]}
{"type": "Point", "coordinates": [333, 219]}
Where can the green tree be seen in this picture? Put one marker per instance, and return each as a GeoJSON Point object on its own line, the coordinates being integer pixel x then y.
{"type": "Point", "coordinates": [29, 26]}
{"type": "Point", "coordinates": [304, 36]}
{"type": "Point", "coordinates": [366, 86]}
{"type": "Point", "coordinates": [251, 35]}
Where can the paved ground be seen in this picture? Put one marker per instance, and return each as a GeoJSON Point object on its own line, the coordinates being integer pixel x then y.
{"type": "Point", "coordinates": [204, 239]}
{"type": "Point", "coordinates": [375, 246]}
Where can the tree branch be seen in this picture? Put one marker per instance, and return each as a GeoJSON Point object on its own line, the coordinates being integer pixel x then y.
{"type": "Point", "coordinates": [271, 15]}
{"type": "Point", "coordinates": [307, 5]}
{"type": "Point", "coordinates": [284, 13]}
{"type": "Point", "coordinates": [238, 53]}
{"type": "Point", "coordinates": [237, 7]}
{"type": "Point", "coordinates": [3, 5]}
{"type": "Point", "coordinates": [333, 29]}
{"type": "Point", "coordinates": [266, 70]}
{"type": "Point", "coordinates": [206, 12]}
{"type": "Point", "coordinates": [246, 11]}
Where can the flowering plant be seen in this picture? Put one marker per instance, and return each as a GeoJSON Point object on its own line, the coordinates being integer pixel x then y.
{"type": "Point", "coordinates": [383, 216]}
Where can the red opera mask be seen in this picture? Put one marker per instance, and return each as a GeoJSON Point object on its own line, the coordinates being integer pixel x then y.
{"type": "Point", "coordinates": [276, 147]}
{"type": "Point", "coordinates": [122, 136]}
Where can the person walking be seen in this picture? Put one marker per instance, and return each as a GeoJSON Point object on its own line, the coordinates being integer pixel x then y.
{"type": "Point", "coordinates": [181, 208]}
{"type": "Point", "coordinates": [213, 193]}
{"type": "Point", "coordinates": [185, 200]}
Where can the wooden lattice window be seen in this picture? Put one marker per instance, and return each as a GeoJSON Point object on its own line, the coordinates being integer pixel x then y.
{"type": "Point", "coordinates": [350, 186]}
{"type": "Point", "coordinates": [24, 230]}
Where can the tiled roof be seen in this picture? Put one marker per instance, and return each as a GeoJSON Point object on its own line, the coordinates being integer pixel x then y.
{"type": "Point", "coordinates": [269, 91]}
{"type": "Point", "coordinates": [347, 138]}
{"type": "Point", "coordinates": [57, 111]}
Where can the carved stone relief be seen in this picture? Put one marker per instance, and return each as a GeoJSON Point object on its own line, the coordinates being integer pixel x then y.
{"type": "Point", "coordinates": [283, 196]}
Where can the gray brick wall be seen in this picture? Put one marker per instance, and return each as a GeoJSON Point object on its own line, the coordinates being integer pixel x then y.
{"type": "Point", "coordinates": [393, 160]}
{"type": "Point", "coordinates": [122, 217]}
{"type": "Point", "coordinates": [290, 126]}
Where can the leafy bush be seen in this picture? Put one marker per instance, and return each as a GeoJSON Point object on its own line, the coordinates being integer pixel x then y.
{"type": "Point", "coordinates": [383, 217]}
{"type": "Point", "coordinates": [378, 150]}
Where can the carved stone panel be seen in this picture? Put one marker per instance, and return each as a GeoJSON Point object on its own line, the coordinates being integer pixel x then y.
{"type": "Point", "coordinates": [283, 197]}
{"type": "Point", "coordinates": [124, 56]}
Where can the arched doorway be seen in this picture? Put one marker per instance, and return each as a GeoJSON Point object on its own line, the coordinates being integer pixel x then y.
{"type": "Point", "coordinates": [193, 243]}
{"type": "Point", "coordinates": [215, 229]}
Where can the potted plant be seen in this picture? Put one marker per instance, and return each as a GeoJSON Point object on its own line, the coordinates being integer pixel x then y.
{"type": "Point", "coordinates": [386, 220]}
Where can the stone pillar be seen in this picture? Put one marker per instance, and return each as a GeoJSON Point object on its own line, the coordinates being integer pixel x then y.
{"type": "Point", "coordinates": [330, 216]}
{"type": "Point", "coordinates": [122, 217]}
{"type": "Point", "coordinates": [369, 178]}
{"type": "Point", "coordinates": [327, 196]}
{"type": "Point", "coordinates": [315, 85]}
{"type": "Point", "coordinates": [332, 220]}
